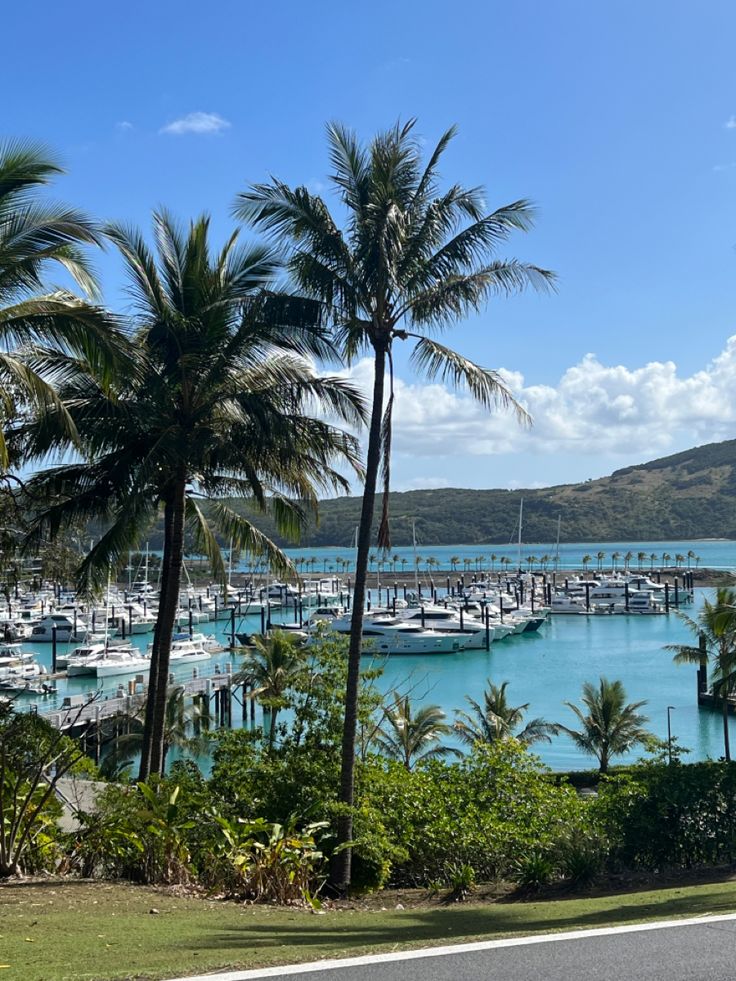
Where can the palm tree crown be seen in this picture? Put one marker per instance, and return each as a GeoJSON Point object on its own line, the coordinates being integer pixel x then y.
{"type": "Point", "coordinates": [411, 737]}
{"type": "Point", "coordinates": [37, 323]}
{"type": "Point", "coordinates": [609, 727]}
{"type": "Point", "coordinates": [270, 670]}
{"type": "Point", "coordinates": [495, 719]}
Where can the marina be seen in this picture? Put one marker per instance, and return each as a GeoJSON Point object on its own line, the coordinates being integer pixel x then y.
{"type": "Point", "coordinates": [544, 656]}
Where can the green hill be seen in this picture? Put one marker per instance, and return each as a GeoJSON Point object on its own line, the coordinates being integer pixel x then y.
{"type": "Point", "coordinates": [684, 496]}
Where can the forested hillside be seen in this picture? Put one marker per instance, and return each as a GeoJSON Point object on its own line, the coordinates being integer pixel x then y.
{"type": "Point", "coordinates": [687, 495]}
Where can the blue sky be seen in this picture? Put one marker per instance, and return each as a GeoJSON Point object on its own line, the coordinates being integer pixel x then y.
{"type": "Point", "coordinates": [614, 118]}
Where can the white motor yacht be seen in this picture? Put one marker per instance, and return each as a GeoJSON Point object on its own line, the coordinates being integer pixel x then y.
{"type": "Point", "coordinates": [66, 629]}
{"type": "Point", "coordinates": [447, 620]}
{"type": "Point", "coordinates": [388, 635]}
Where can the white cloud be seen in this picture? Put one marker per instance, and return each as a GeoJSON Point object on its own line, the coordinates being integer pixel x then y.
{"type": "Point", "coordinates": [594, 410]}
{"type": "Point", "coordinates": [424, 483]}
{"type": "Point", "coordinates": [730, 123]}
{"type": "Point", "coordinates": [205, 123]}
{"type": "Point", "coordinates": [124, 126]}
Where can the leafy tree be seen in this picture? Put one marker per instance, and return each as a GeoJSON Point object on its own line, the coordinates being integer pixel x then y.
{"type": "Point", "coordinates": [413, 738]}
{"type": "Point", "coordinates": [410, 261]}
{"type": "Point", "coordinates": [715, 625]}
{"type": "Point", "coordinates": [608, 726]}
{"type": "Point", "coordinates": [495, 719]}
{"type": "Point", "coordinates": [33, 758]}
{"type": "Point", "coordinates": [215, 407]}
{"type": "Point", "coordinates": [586, 560]}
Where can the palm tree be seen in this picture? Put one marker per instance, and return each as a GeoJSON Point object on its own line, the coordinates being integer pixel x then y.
{"type": "Point", "coordinates": [454, 561]}
{"type": "Point", "coordinates": [600, 556]}
{"type": "Point", "coordinates": [610, 727]}
{"type": "Point", "coordinates": [270, 671]}
{"type": "Point", "coordinates": [586, 560]}
{"type": "Point", "coordinates": [495, 719]}
{"type": "Point", "coordinates": [494, 559]}
{"type": "Point", "coordinates": [679, 560]}
{"type": "Point", "coordinates": [185, 729]}
{"type": "Point", "coordinates": [690, 557]}
{"type": "Point", "coordinates": [641, 558]}
{"type": "Point", "coordinates": [532, 561]}
{"type": "Point", "coordinates": [35, 237]}
{"type": "Point", "coordinates": [627, 560]}
{"type": "Point", "coordinates": [652, 559]}
{"type": "Point", "coordinates": [403, 563]}
{"type": "Point", "coordinates": [544, 562]}
{"type": "Point", "coordinates": [715, 625]}
{"type": "Point", "coordinates": [395, 559]}
{"type": "Point", "coordinates": [411, 738]}
{"type": "Point", "coordinates": [411, 260]}
{"type": "Point", "coordinates": [615, 556]}
{"type": "Point", "coordinates": [665, 559]}
{"type": "Point", "coordinates": [214, 408]}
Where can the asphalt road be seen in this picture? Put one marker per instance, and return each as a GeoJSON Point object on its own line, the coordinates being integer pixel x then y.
{"type": "Point", "coordinates": [705, 951]}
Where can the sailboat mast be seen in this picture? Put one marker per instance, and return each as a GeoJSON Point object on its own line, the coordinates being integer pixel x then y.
{"type": "Point", "coordinates": [414, 544]}
{"type": "Point", "coordinates": [521, 521]}
{"type": "Point", "coordinates": [557, 548]}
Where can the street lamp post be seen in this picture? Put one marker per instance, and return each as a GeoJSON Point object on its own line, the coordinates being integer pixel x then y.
{"type": "Point", "coordinates": [670, 708]}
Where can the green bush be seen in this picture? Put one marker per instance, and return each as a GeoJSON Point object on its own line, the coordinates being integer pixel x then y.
{"type": "Point", "coordinates": [660, 816]}
{"type": "Point", "coordinates": [487, 812]}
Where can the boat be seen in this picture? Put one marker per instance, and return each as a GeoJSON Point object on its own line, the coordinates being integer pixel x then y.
{"type": "Point", "coordinates": [107, 662]}
{"type": "Point", "coordinates": [389, 635]}
{"type": "Point", "coordinates": [66, 629]}
{"type": "Point", "coordinates": [562, 603]}
{"type": "Point", "coordinates": [449, 620]}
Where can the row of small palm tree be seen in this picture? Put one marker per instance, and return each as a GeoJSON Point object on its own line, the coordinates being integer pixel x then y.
{"type": "Point", "coordinates": [608, 725]}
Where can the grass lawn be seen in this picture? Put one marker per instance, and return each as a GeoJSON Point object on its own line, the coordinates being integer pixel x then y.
{"type": "Point", "coordinates": [70, 931]}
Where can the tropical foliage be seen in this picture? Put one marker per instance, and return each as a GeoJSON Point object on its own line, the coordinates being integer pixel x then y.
{"type": "Point", "coordinates": [215, 403]}
{"type": "Point", "coordinates": [608, 725]}
{"type": "Point", "coordinates": [715, 627]}
{"type": "Point", "coordinates": [495, 719]}
{"type": "Point", "coordinates": [411, 261]}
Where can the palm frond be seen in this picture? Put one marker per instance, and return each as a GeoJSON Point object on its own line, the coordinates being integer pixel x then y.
{"type": "Point", "coordinates": [436, 360]}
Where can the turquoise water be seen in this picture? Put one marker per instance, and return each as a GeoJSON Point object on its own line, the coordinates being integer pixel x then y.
{"type": "Point", "coordinates": [544, 669]}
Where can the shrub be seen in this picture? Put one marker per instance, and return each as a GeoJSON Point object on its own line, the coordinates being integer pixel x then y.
{"type": "Point", "coordinates": [660, 816]}
{"type": "Point", "coordinates": [534, 870]}
{"type": "Point", "coordinates": [486, 812]}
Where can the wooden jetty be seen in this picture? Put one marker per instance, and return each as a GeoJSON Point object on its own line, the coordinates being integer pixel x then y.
{"type": "Point", "coordinates": [79, 712]}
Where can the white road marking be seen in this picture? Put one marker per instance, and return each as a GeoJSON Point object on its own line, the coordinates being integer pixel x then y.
{"type": "Point", "coordinates": [469, 948]}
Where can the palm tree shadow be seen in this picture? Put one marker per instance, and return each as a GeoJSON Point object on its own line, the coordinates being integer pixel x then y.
{"type": "Point", "coordinates": [417, 926]}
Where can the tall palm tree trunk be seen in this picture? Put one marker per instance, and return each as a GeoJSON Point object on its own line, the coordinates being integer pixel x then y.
{"type": "Point", "coordinates": [166, 617]}
{"type": "Point", "coordinates": [726, 733]}
{"type": "Point", "coordinates": [340, 873]}
{"type": "Point", "coordinates": [145, 764]}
